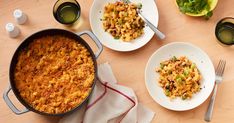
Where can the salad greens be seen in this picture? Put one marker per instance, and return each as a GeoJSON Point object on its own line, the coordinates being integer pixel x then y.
{"type": "Point", "coordinates": [194, 7]}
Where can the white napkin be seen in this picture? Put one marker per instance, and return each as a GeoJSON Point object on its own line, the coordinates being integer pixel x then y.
{"type": "Point", "coordinates": [110, 103]}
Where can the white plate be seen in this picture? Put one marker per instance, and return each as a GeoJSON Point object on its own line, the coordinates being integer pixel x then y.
{"type": "Point", "coordinates": [196, 55]}
{"type": "Point", "coordinates": [149, 10]}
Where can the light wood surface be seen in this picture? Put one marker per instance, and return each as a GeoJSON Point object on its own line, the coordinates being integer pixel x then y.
{"type": "Point", "coordinates": [129, 66]}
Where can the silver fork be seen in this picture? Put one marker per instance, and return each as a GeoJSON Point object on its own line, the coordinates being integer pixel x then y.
{"type": "Point", "coordinates": [155, 29]}
{"type": "Point", "coordinates": [218, 79]}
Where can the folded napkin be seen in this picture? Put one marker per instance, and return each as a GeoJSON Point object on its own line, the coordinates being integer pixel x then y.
{"type": "Point", "coordinates": [110, 103]}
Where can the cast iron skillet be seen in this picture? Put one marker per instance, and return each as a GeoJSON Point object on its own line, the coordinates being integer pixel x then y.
{"type": "Point", "coordinates": [25, 43]}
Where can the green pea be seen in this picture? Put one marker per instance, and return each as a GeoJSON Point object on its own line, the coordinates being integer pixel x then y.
{"type": "Point", "coordinates": [193, 66]}
{"type": "Point", "coordinates": [167, 92]}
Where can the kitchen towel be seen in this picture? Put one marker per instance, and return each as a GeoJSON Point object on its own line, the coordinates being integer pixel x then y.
{"type": "Point", "coordinates": [110, 103]}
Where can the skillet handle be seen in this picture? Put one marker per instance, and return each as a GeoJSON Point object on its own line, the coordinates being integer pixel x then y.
{"type": "Point", "coordinates": [10, 104]}
{"type": "Point", "coordinates": [95, 39]}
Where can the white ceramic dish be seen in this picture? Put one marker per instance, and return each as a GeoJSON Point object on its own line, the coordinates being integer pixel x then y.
{"type": "Point", "coordinates": [196, 55]}
{"type": "Point", "coordinates": [149, 10]}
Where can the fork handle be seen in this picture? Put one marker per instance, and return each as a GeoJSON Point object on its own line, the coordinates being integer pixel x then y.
{"type": "Point", "coordinates": [210, 108]}
{"type": "Point", "coordinates": [154, 28]}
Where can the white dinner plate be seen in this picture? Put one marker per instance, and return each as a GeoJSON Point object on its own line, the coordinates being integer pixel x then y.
{"type": "Point", "coordinates": [197, 56]}
{"type": "Point", "coordinates": [149, 10]}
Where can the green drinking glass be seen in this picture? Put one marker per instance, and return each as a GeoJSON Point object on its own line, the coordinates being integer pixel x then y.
{"type": "Point", "coordinates": [66, 11]}
{"type": "Point", "coordinates": [224, 31]}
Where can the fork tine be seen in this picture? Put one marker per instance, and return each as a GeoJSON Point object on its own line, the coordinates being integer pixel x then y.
{"type": "Point", "coordinates": [218, 68]}
{"type": "Point", "coordinates": [223, 68]}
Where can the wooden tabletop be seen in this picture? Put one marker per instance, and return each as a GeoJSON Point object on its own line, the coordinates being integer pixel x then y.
{"type": "Point", "coordinates": [128, 66]}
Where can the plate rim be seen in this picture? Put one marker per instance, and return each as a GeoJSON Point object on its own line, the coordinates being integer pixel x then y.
{"type": "Point", "coordinates": [122, 50]}
{"type": "Point", "coordinates": [175, 43]}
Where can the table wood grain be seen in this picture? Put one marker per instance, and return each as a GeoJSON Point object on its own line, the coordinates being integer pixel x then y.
{"type": "Point", "coordinates": [129, 66]}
